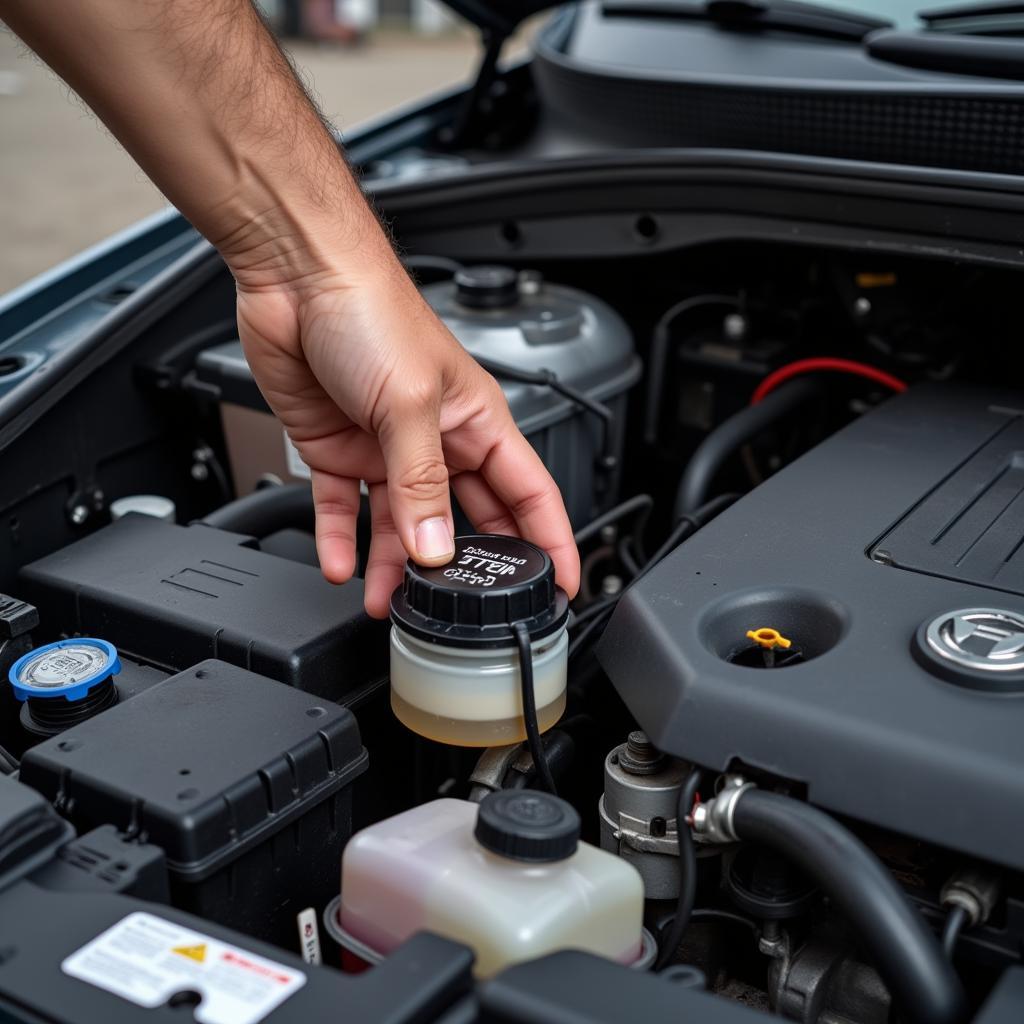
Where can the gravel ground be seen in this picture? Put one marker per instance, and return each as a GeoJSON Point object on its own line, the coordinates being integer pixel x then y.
{"type": "Point", "coordinates": [66, 183]}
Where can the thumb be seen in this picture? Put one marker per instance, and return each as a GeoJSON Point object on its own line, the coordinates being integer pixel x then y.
{"type": "Point", "coordinates": [418, 482]}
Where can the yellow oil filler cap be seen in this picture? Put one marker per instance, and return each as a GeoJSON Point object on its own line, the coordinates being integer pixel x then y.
{"type": "Point", "coordinates": [768, 638]}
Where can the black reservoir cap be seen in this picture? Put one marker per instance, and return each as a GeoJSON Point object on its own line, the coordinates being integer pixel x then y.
{"type": "Point", "coordinates": [491, 583]}
{"type": "Point", "coordinates": [487, 287]}
{"type": "Point", "coordinates": [529, 826]}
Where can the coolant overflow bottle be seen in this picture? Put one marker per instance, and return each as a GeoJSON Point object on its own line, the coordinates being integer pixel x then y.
{"type": "Point", "coordinates": [454, 664]}
{"type": "Point", "coordinates": [510, 878]}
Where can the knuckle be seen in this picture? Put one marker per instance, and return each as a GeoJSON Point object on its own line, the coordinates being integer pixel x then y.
{"type": "Point", "coordinates": [494, 395]}
{"type": "Point", "coordinates": [335, 508]}
{"type": "Point", "coordinates": [414, 394]}
{"type": "Point", "coordinates": [526, 506]}
{"type": "Point", "coordinates": [423, 477]}
{"type": "Point", "coordinates": [497, 524]}
{"type": "Point", "coordinates": [343, 536]}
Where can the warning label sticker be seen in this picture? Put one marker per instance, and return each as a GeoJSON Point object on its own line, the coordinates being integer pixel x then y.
{"type": "Point", "coordinates": [149, 961]}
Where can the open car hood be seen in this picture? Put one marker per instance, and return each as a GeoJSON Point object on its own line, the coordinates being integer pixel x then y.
{"type": "Point", "coordinates": [498, 16]}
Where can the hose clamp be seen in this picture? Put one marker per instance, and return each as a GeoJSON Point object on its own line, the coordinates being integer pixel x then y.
{"type": "Point", "coordinates": [713, 821]}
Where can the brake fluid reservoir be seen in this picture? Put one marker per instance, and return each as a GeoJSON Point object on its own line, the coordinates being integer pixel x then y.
{"type": "Point", "coordinates": [454, 664]}
{"type": "Point", "coordinates": [509, 878]}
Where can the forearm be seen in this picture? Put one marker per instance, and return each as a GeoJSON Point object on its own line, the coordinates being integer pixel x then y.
{"type": "Point", "coordinates": [199, 93]}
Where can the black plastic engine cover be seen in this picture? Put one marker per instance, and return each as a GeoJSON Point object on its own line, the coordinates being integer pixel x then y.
{"type": "Point", "coordinates": [174, 595]}
{"type": "Point", "coordinates": [871, 728]}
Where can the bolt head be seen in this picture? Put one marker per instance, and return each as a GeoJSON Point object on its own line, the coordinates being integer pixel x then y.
{"type": "Point", "coordinates": [611, 585]}
{"type": "Point", "coordinates": [200, 471]}
{"type": "Point", "coordinates": [79, 514]}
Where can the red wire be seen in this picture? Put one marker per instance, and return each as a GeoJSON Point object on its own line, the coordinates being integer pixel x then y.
{"type": "Point", "coordinates": [819, 363]}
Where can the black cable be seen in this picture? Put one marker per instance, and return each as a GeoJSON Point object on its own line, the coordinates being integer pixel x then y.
{"type": "Point", "coordinates": [709, 914]}
{"type": "Point", "coordinates": [545, 378]}
{"type": "Point", "coordinates": [629, 562]}
{"type": "Point", "coordinates": [659, 353]}
{"type": "Point", "coordinates": [895, 936]}
{"type": "Point", "coordinates": [581, 638]}
{"type": "Point", "coordinates": [719, 445]}
{"type": "Point", "coordinates": [687, 870]}
{"type": "Point", "coordinates": [533, 739]}
{"type": "Point", "coordinates": [581, 618]}
{"type": "Point", "coordinates": [639, 503]}
{"type": "Point", "coordinates": [687, 525]}
{"type": "Point", "coordinates": [955, 921]}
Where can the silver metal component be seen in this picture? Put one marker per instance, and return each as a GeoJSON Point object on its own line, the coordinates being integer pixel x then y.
{"type": "Point", "coordinates": [638, 812]}
{"type": "Point", "coordinates": [530, 282]}
{"type": "Point", "coordinates": [980, 639]}
{"type": "Point", "coordinates": [491, 769]}
{"type": "Point", "coordinates": [862, 306]}
{"type": "Point", "coordinates": [774, 941]}
{"type": "Point", "coordinates": [975, 889]}
{"type": "Point", "coordinates": [154, 505]}
{"type": "Point", "coordinates": [79, 514]}
{"type": "Point", "coordinates": [201, 458]}
{"type": "Point", "coordinates": [712, 821]}
{"type": "Point", "coordinates": [65, 665]}
{"type": "Point", "coordinates": [735, 326]}
{"type": "Point", "coordinates": [609, 534]}
{"type": "Point", "coordinates": [611, 585]}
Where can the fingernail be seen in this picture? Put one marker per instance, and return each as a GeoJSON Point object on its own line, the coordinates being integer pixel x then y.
{"type": "Point", "coordinates": [434, 539]}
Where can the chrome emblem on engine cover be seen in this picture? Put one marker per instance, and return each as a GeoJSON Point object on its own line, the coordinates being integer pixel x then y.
{"type": "Point", "coordinates": [985, 639]}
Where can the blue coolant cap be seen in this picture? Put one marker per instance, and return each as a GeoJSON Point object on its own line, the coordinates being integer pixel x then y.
{"type": "Point", "coordinates": [67, 668]}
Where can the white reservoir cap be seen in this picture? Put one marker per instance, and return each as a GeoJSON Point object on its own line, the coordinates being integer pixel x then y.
{"type": "Point", "coordinates": [154, 505]}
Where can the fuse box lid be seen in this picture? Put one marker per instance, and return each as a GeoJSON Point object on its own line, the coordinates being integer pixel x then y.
{"type": "Point", "coordinates": [205, 764]}
{"type": "Point", "coordinates": [174, 595]}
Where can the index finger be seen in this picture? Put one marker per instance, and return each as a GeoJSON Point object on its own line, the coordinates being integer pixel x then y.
{"type": "Point", "coordinates": [517, 476]}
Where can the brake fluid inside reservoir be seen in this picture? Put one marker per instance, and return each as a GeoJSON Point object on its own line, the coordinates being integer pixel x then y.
{"type": "Point", "coordinates": [454, 662]}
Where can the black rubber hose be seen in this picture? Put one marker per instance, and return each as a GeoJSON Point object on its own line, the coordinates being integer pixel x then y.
{"type": "Point", "coordinates": [266, 511]}
{"type": "Point", "coordinates": [954, 923]}
{"type": "Point", "coordinates": [894, 934]}
{"type": "Point", "coordinates": [716, 449]}
{"type": "Point", "coordinates": [687, 871]}
{"type": "Point", "coordinates": [658, 354]}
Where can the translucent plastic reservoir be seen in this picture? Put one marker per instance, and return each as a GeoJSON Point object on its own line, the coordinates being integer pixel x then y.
{"type": "Point", "coordinates": [425, 869]}
{"type": "Point", "coordinates": [456, 631]}
{"type": "Point", "coordinates": [473, 698]}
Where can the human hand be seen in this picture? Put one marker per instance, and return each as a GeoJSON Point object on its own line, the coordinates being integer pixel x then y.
{"type": "Point", "coordinates": [366, 380]}
{"type": "Point", "coordinates": [370, 385]}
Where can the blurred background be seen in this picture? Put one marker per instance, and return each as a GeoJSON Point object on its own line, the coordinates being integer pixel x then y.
{"type": "Point", "coordinates": [65, 183]}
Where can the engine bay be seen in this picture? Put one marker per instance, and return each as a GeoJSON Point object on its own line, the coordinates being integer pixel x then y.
{"type": "Point", "coordinates": [780, 716]}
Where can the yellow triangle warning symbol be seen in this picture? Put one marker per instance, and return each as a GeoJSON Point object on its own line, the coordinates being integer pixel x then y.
{"type": "Point", "coordinates": [197, 953]}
